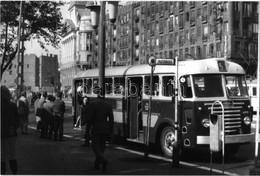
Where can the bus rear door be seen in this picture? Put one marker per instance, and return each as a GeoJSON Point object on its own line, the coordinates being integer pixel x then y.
{"type": "Point", "coordinates": [134, 110]}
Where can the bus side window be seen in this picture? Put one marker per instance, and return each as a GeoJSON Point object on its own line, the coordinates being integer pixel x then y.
{"type": "Point", "coordinates": [168, 86]}
{"type": "Point", "coordinates": [119, 86]}
{"type": "Point", "coordinates": [155, 89]}
{"type": "Point", "coordinates": [186, 90]}
{"type": "Point", "coordinates": [96, 87]}
{"type": "Point", "coordinates": [254, 91]}
{"type": "Point", "coordinates": [108, 85]}
{"type": "Point", "coordinates": [89, 86]}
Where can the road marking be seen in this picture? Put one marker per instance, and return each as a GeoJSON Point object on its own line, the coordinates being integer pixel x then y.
{"type": "Point", "coordinates": [133, 170]}
{"type": "Point", "coordinates": [181, 162]}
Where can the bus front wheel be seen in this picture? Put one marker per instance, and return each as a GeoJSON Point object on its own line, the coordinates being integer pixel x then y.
{"type": "Point", "coordinates": [167, 141]}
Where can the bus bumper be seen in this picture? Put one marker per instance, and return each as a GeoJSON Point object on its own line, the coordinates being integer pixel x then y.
{"type": "Point", "coordinates": [229, 139]}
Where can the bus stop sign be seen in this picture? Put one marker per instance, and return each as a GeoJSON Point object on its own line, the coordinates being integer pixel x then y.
{"type": "Point", "coordinates": [165, 61]}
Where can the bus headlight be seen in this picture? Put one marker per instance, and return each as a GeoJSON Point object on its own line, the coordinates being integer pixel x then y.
{"type": "Point", "coordinates": [205, 123]}
{"type": "Point", "coordinates": [247, 120]}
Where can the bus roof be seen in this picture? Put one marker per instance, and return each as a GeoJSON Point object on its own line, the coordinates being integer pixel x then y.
{"type": "Point", "coordinates": [207, 66]}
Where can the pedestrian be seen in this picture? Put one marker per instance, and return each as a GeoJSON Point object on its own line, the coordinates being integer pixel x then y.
{"type": "Point", "coordinates": [37, 116]}
{"type": "Point", "coordinates": [58, 111]}
{"type": "Point", "coordinates": [41, 123]}
{"type": "Point", "coordinates": [48, 116]}
{"type": "Point", "coordinates": [9, 123]}
{"type": "Point", "coordinates": [85, 110]}
{"type": "Point", "coordinates": [101, 120]}
{"type": "Point", "coordinates": [23, 111]}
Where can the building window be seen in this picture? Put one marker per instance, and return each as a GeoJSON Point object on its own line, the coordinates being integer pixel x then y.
{"type": "Point", "coordinates": [187, 53]}
{"type": "Point", "coordinates": [171, 40]}
{"type": "Point", "coordinates": [247, 9]}
{"type": "Point", "coordinates": [181, 54]}
{"type": "Point", "coordinates": [181, 40]}
{"type": "Point", "coordinates": [161, 43]}
{"type": "Point", "coordinates": [192, 18]}
{"type": "Point", "coordinates": [235, 6]}
{"type": "Point", "coordinates": [152, 28]}
{"type": "Point", "coordinates": [152, 45]}
{"type": "Point", "coordinates": [205, 14]}
{"type": "Point", "coordinates": [211, 50]}
{"type": "Point", "coordinates": [218, 50]}
{"type": "Point", "coordinates": [187, 16]}
{"type": "Point", "coordinates": [170, 54]}
{"type": "Point", "coordinates": [176, 38]}
{"type": "Point", "coordinates": [198, 52]}
{"type": "Point", "coordinates": [205, 33]}
{"type": "Point", "coordinates": [181, 21]}
{"type": "Point", "coordinates": [192, 36]}
{"type": "Point", "coordinates": [192, 52]}
{"type": "Point", "coordinates": [237, 46]}
{"type": "Point", "coordinates": [170, 23]}
{"type": "Point", "coordinates": [187, 36]}
{"type": "Point", "coordinates": [27, 65]}
{"type": "Point", "coordinates": [198, 13]}
{"type": "Point", "coordinates": [204, 51]}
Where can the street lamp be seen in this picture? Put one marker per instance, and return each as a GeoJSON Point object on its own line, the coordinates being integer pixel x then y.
{"type": "Point", "coordinates": [98, 19]}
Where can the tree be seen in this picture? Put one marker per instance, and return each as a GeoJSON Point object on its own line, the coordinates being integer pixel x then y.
{"type": "Point", "coordinates": [42, 22]}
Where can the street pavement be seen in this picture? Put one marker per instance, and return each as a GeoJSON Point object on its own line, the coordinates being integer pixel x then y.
{"type": "Point", "coordinates": [37, 156]}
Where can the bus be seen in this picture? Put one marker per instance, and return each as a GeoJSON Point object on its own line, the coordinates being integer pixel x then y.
{"type": "Point", "coordinates": [200, 84]}
{"type": "Point", "coordinates": [252, 91]}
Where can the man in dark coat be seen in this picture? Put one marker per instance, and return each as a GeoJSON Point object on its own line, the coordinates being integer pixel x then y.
{"type": "Point", "coordinates": [9, 123]}
{"type": "Point", "coordinates": [58, 111]}
{"type": "Point", "coordinates": [85, 110]}
{"type": "Point", "coordinates": [101, 120]}
{"type": "Point", "coordinates": [48, 116]}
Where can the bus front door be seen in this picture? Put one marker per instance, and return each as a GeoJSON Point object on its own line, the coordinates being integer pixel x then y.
{"type": "Point", "coordinates": [134, 108]}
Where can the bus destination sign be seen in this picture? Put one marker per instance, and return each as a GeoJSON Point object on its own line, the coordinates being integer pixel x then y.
{"type": "Point", "coordinates": [165, 61]}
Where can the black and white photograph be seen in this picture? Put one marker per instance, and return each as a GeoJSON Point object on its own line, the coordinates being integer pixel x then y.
{"type": "Point", "coordinates": [130, 87]}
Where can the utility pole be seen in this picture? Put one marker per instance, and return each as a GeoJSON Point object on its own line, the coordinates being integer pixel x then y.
{"type": "Point", "coordinates": [20, 58]}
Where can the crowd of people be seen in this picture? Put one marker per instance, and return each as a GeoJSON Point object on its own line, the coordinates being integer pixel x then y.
{"type": "Point", "coordinates": [49, 114]}
{"type": "Point", "coordinates": [49, 111]}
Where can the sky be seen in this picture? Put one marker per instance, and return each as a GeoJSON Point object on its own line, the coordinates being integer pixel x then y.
{"type": "Point", "coordinates": [32, 47]}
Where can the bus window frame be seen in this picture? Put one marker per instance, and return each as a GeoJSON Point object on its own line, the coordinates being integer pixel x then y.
{"type": "Point", "coordinates": [163, 87]}
{"type": "Point", "coordinates": [115, 84]}
{"type": "Point", "coordinates": [192, 91]}
{"type": "Point", "coordinates": [227, 89]}
{"type": "Point", "coordinates": [155, 93]}
{"type": "Point", "coordinates": [111, 86]}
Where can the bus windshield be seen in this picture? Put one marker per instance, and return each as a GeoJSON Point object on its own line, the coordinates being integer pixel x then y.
{"type": "Point", "coordinates": [236, 85]}
{"type": "Point", "coordinates": [208, 86]}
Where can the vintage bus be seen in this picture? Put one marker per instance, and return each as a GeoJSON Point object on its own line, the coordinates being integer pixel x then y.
{"type": "Point", "coordinates": [252, 91]}
{"type": "Point", "coordinates": [201, 82]}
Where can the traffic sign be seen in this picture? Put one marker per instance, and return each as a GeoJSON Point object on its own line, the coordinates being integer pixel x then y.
{"type": "Point", "coordinates": [165, 61]}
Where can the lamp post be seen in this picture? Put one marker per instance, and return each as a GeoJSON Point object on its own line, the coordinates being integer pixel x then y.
{"type": "Point", "coordinates": [20, 59]}
{"type": "Point", "coordinates": [98, 19]}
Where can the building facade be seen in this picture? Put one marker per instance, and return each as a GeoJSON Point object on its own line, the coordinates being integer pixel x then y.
{"type": "Point", "coordinates": [31, 74]}
{"type": "Point", "coordinates": [48, 73]}
{"type": "Point", "coordinates": [183, 29]}
{"type": "Point", "coordinates": [189, 30]}
{"type": "Point", "coordinates": [38, 73]}
{"type": "Point", "coordinates": [77, 44]}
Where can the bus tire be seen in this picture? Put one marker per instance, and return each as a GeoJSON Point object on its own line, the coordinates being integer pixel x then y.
{"type": "Point", "coordinates": [167, 141]}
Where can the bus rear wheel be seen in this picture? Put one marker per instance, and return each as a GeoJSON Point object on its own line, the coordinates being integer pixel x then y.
{"type": "Point", "coordinates": [167, 141]}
